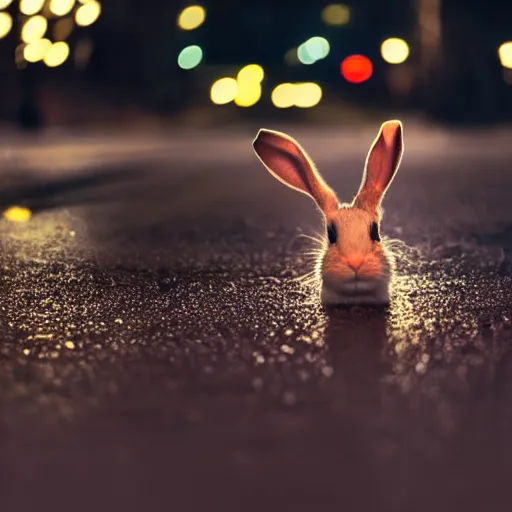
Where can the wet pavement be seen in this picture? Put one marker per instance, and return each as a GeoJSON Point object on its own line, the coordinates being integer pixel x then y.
{"type": "Point", "coordinates": [161, 351]}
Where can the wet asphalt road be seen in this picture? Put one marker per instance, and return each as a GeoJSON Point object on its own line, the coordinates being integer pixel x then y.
{"type": "Point", "coordinates": [159, 353]}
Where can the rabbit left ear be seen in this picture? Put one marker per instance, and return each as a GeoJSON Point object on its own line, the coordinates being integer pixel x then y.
{"type": "Point", "coordinates": [381, 165]}
{"type": "Point", "coordinates": [287, 161]}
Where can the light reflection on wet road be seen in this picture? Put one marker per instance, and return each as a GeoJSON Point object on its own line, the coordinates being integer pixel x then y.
{"type": "Point", "coordinates": [159, 351]}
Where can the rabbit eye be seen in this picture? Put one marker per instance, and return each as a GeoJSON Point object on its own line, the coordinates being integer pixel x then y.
{"type": "Point", "coordinates": [331, 233]}
{"type": "Point", "coordinates": [374, 232]}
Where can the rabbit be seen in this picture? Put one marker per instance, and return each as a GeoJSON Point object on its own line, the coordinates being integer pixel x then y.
{"type": "Point", "coordinates": [355, 265]}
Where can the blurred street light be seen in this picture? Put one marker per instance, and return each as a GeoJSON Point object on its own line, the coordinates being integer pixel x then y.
{"type": "Point", "coordinates": [224, 91]}
{"type": "Point", "coordinates": [88, 13]}
{"type": "Point", "coordinates": [191, 17]}
{"type": "Point", "coordinates": [5, 24]}
{"type": "Point", "coordinates": [248, 94]}
{"type": "Point", "coordinates": [356, 69]}
{"type": "Point", "coordinates": [302, 95]}
{"type": "Point", "coordinates": [394, 50]}
{"type": "Point", "coordinates": [190, 57]}
{"type": "Point", "coordinates": [57, 54]}
{"type": "Point", "coordinates": [61, 7]}
{"type": "Point", "coordinates": [31, 7]}
{"type": "Point", "coordinates": [34, 29]}
{"type": "Point", "coordinates": [283, 95]}
{"type": "Point", "coordinates": [505, 54]}
{"type": "Point", "coordinates": [336, 14]}
{"type": "Point", "coordinates": [251, 73]}
{"type": "Point", "coordinates": [307, 95]}
{"type": "Point", "coordinates": [314, 49]}
{"type": "Point", "coordinates": [36, 51]}
{"type": "Point", "coordinates": [32, 26]}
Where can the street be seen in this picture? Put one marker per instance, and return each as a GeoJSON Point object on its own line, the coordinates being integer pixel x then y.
{"type": "Point", "coordinates": [160, 350]}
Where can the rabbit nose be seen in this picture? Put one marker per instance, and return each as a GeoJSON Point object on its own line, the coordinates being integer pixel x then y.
{"type": "Point", "coordinates": [354, 261]}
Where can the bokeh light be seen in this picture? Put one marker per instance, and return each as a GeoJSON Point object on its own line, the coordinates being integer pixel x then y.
{"type": "Point", "coordinates": [62, 29]}
{"type": "Point", "coordinates": [5, 24]}
{"type": "Point", "coordinates": [19, 59]}
{"type": "Point", "coordinates": [5, 3]}
{"type": "Point", "coordinates": [318, 47]}
{"type": "Point", "coordinates": [36, 51]}
{"type": "Point", "coordinates": [190, 57]}
{"type": "Point", "coordinates": [505, 54]}
{"type": "Point", "coordinates": [303, 55]}
{"type": "Point", "coordinates": [394, 50]}
{"type": "Point", "coordinates": [30, 7]}
{"type": "Point", "coordinates": [283, 96]}
{"type": "Point", "coordinates": [83, 52]}
{"type": "Point", "coordinates": [291, 57]}
{"type": "Point", "coordinates": [61, 7]}
{"type": "Point", "coordinates": [248, 94]}
{"type": "Point", "coordinates": [251, 73]}
{"type": "Point", "coordinates": [34, 29]}
{"type": "Point", "coordinates": [17, 214]}
{"type": "Point", "coordinates": [356, 69]}
{"type": "Point", "coordinates": [224, 91]}
{"type": "Point", "coordinates": [302, 95]}
{"type": "Point", "coordinates": [336, 14]}
{"type": "Point", "coordinates": [88, 13]}
{"type": "Point", "coordinates": [57, 54]}
{"type": "Point", "coordinates": [191, 17]}
{"type": "Point", "coordinates": [315, 48]}
{"type": "Point", "coordinates": [307, 95]}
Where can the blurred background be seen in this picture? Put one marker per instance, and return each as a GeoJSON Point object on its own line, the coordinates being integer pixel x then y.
{"type": "Point", "coordinates": [77, 62]}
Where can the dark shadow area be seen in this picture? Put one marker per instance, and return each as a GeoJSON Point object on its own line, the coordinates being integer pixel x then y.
{"type": "Point", "coordinates": [39, 195]}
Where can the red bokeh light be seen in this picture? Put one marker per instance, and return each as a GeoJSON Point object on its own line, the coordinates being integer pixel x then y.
{"type": "Point", "coordinates": [356, 69]}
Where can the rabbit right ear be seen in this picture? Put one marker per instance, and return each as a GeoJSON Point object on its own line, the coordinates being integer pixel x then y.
{"type": "Point", "coordinates": [289, 163]}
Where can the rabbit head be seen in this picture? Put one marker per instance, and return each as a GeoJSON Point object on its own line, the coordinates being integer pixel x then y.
{"type": "Point", "coordinates": [355, 265]}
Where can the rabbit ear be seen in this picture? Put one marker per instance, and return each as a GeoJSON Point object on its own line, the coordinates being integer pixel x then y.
{"type": "Point", "coordinates": [289, 163]}
{"type": "Point", "coordinates": [381, 165]}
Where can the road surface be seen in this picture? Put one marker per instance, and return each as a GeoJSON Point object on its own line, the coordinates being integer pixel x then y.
{"type": "Point", "coordinates": [159, 352]}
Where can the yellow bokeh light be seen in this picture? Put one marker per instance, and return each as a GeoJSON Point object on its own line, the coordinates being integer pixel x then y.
{"type": "Point", "coordinates": [302, 95]}
{"type": "Point", "coordinates": [505, 54]}
{"type": "Point", "coordinates": [30, 7]}
{"type": "Point", "coordinates": [224, 91]}
{"type": "Point", "coordinates": [5, 3]}
{"type": "Point", "coordinates": [191, 17]}
{"type": "Point", "coordinates": [61, 7]}
{"type": "Point", "coordinates": [17, 214]}
{"type": "Point", "coordinates": [5, 24]}
{"type": "Point", "coordinates": [57, 54]}
{"type": "Point", "coordinates": [336, 14]}
{"type": "Point", "coordinates": [248, 94]}
{"type": "Point", "coordinates": [251, 73]}
{"type": "Point", "coordinates": [62, 29]}
{"type": "Point", "coordinates": [88, 13]}
{"type": "Point", "coordinates": [34, 29]}
{"type": "Point", "coordinates": [394, 50]}
{"type": "Point", "coordinates": [36, 51]}
{"type": "Point", "coordinates": [283, 96]}
{"type": "Point", "coordinates": [307, 95]}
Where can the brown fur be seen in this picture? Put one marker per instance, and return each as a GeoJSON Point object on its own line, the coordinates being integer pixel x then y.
{"type": "Point", "coordinates": [356, 269]}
